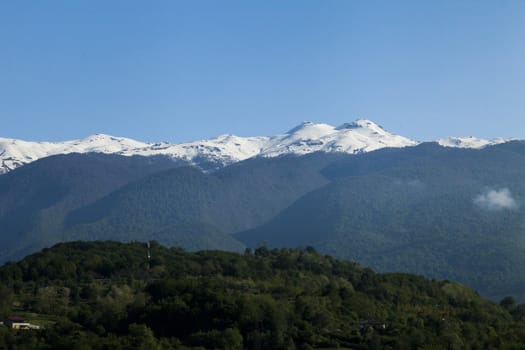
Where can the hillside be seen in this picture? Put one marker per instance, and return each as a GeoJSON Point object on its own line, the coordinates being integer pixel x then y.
{"type": "Point", "coordinates": [186, 207]}
{"type": "Point", "coordinates": [445, 213]}
{"type": "Point", "coordinates": [96, 196]}
{"type": "Point", "coordinates": [103, 295]}
{"type": "Point", "coordinates": [35, 199]}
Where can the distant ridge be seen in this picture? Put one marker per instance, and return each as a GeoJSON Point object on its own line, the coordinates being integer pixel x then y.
{"type": "Point", "coordinates": [359, 136]}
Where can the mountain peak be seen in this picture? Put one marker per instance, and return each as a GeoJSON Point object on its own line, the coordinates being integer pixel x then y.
{"type": "Point", "coordinates": [358, 124]}
{"type": "Point", "coordinates": [301, 126]}
{"type": "Point", "coordinates": [99, 137]}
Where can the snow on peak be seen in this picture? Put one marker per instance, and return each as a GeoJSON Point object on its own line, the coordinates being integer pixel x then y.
{"type": "Point", "coordinates": [470, 142]}
{"type": "Point", "coordinates": [310, 130]}
{"type": "Point", "coordinates": [360, 123]}
{"type": "Point", "coordinates": [359, 136]}
{"type": "Point", "coordinates": [223, 149]}
{"type": "Point", "coordinates": [15, 153]}
{"type": "Point", "coordinates": [304, 126]}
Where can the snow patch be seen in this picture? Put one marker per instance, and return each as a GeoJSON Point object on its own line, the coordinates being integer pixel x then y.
{"type": "Point", "coordinates": [470, 142]}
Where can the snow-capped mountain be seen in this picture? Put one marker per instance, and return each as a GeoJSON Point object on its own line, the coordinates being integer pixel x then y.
{"type": "Point", "coordinates": [357, 137]}
{"type": "Point", "coordinates": [15, 153]}
{"type": "Point", "coordinates": [470, 142]}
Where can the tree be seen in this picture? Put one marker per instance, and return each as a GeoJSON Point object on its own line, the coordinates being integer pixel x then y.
{"type": "Point", "coordinates": [508, 303]}
{"type": "Point", "coordinates": [141, 338]}
{"type": "Point", "coordinates": [6, 301]}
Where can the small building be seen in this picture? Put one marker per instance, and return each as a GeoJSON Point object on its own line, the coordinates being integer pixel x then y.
{"type": "Point", "coordinates": [16, 322]}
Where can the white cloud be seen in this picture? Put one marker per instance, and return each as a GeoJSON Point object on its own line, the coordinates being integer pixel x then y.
{"type": "Point", "coordinates": [496, 200]}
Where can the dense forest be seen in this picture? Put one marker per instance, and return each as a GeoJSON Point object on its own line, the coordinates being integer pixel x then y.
{"type": "Point", "coordinates": [108, 295]}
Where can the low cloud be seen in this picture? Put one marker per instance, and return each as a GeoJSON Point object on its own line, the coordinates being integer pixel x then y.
{"type": "Point", "coordinates": [496, 200]}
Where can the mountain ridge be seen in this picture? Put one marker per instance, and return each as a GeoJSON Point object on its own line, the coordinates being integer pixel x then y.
{"type": "Point", "coordinates": [360, 136]}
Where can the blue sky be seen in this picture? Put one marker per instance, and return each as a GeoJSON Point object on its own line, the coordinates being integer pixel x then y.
{"type": "Point", "coordinates": [183, 70]}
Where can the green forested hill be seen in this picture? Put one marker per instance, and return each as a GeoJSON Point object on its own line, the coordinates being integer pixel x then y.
{"type": "Point", "coordinates": [107, 295]}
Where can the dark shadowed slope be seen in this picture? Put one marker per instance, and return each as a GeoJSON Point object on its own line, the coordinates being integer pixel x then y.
{"type": "Point", "coordinates": [34, 199]}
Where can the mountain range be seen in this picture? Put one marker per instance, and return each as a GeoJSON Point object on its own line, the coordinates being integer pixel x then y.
{"type": "Point", "coordinates": [451, 209]}
{"type": "Point", "coordinates": [356, 137]}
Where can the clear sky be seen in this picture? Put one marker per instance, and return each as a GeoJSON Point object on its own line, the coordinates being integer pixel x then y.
{"type": "Point", "coordinates": [183, 70]}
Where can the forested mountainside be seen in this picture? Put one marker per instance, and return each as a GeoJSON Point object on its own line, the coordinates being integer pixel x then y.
{"type": "Point", "coordinates": [95, 196]}
{"type": "Point", "coordinates": [35, 198]}
{"type": "Point", "coordinates": [446, 213]}
{"type": "Point", "coordinates": [108, 295]}
{"type": "Point", "coordinates": [186, 207]}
